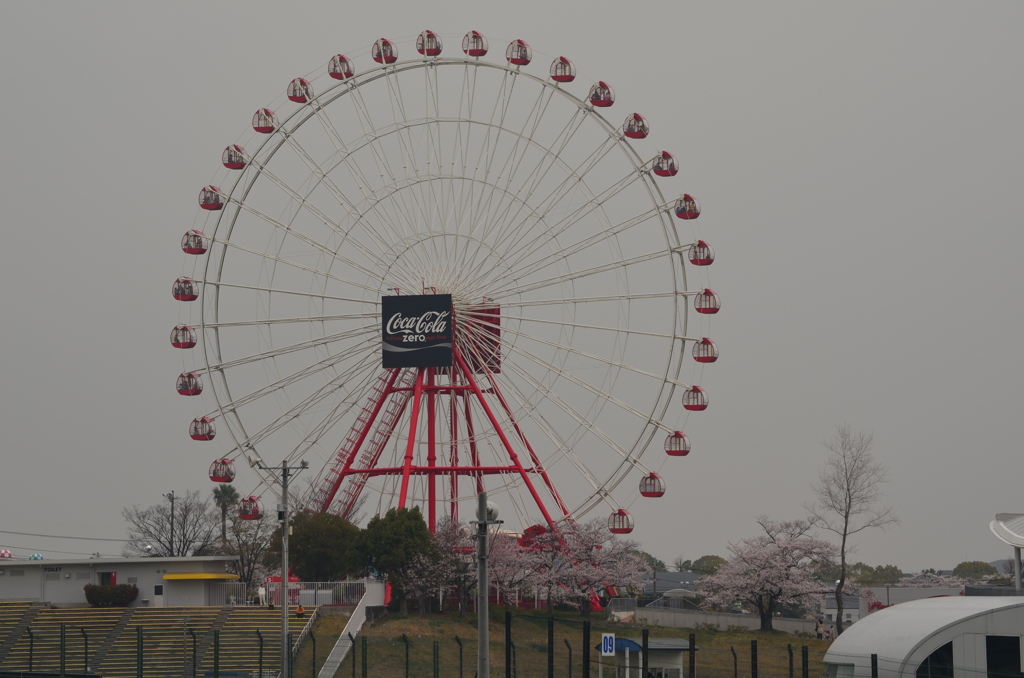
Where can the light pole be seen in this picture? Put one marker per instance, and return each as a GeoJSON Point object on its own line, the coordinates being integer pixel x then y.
{"type": "Point", "coordinates": [170, 496]}
{"type": "Point", "coordinates": [487, 514]}
{"type": "Point", "coordinates": [282, 515]}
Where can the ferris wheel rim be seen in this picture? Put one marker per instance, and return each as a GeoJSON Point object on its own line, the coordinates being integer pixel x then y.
{"type": "Point", "coordinates": [675, 360]}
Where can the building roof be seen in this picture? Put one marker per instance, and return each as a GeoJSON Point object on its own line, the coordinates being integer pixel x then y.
{"type": "Point", "coordinates": [1009, 528]}
{"type": "Point", "coordinates": [895, 632]}
{"type": "Point", "coordinates": [151, 560]}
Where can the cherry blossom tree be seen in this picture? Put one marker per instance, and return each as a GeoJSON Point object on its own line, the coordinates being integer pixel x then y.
{"type": "Point", "coordinates": [511, 566]}
{"type": "Point", "coordinates": [581, 560]}
{"type": "Point", "coordinates": [931, 580]}
{"type": "Point", "coordinates": [770, 570]}
{"type": "Point", "coordinates": [454, 543]}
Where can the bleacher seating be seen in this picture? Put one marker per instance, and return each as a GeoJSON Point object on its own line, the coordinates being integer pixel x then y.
{"type": "Point", "coordinates": [44, 643]}
{"type": "Point", "coordinates": [162, 641]}
{"type": "Point", "coordinates": [10, 614]}
{"type": "Point", "coordinates": [239, 644]}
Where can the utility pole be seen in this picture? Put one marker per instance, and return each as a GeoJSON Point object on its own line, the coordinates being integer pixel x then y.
{"type": "Point", "coordinates": [282, 516]}
{"type": "Point", "coordinates": [487, 514]}
{"type": "Point", "coordinates": [170, 495]}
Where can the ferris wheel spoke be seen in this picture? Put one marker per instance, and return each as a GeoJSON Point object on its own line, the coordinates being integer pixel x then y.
{"type": "Point", "coordinates": [584, 422]}
{"type": "Point", "coordinates": [316, 368]}
{"type": "Point", "coordinates": [300, 346]}
{"type": "Point", "coordinates": [584, 273]}
{"type": "Point", "coordinates": [481, 321]}
{"type": "Point", "coordinates": [294, 264]}
{"type": "Point", "coordinates": [288, 321]}
{"type": "Point", "coordinates": [583, 300]}
{"type": "Point", "coordinates": [581, 245]}
{"type": "Point", "coordinates": [529, 248]}
{"type": "Point", "coordinates": [274, 290]}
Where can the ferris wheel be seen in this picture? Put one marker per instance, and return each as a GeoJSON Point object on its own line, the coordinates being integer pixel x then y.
{"type": "Point", "coordinates": [443, 273]}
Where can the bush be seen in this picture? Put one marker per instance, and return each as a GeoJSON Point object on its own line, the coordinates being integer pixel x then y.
{"type": "Point", "coordinates": [705, 627]}
{"type": "Point", "coordinates": [120, 595]}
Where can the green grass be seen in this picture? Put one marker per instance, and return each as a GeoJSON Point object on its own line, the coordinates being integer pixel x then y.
{"type": "Point", "coordinates": [386, 649]}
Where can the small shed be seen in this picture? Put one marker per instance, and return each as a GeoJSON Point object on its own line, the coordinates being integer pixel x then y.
{"type": "Point", "coordinates": [667, 657]}
{"type": "Point", "coordinates": [954, 637]}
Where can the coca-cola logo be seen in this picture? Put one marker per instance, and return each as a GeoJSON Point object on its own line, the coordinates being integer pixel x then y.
{"type": "Point", "coordinates": [431, 322]}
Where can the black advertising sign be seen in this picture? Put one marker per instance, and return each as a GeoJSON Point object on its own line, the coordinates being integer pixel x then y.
{"type": "Point", "coordinates": [417, 331]}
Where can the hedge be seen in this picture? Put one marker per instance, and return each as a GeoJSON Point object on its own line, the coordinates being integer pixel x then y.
{"type": "Point", "coordinates": [119, 595]}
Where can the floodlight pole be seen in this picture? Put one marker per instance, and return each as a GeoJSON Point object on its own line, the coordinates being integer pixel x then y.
{"type": "Point", "coordinates": [483, 654]}
{"type": "Point", "coordinates": [282, 515]}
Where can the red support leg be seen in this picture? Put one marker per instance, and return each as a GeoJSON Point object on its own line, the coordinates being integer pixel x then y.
{"type": "Point", "coordinates": [453, 413]}
{"type": "Point", "coordinates": [431, 453]}
{"type": "Point", "coordinates": [411, 446]}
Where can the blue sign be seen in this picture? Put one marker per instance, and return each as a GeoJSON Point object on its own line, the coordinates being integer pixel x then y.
{"type": "Point", "coordinates": [607, 644]}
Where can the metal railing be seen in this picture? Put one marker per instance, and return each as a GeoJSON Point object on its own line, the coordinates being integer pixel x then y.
{"type": "Point", "coordinates": [317, 594]}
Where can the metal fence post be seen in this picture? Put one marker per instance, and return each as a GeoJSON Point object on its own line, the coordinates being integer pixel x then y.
{"type": "Point", "coordinates": [437, 660]}
{"type": "Point", "coordinates": [353, 646]}
{"type": "Point", "coordinates": [789, 648]}
{"type": "Point", "coordinates": [193, 636]}
{"type": "Point", "coordinates": [138, 652]}
{"type": "Point", "coordinates": [753, 659]}
{"type": "Point", "coordinates": [874, 666]}
{"type": "Point", "coordinates": [313, 638]}
{"type": "Point", "coordinates": [405, 640]}
{"type": "Point", "coordinates": [508, 648]}
{"type": "Point", "coordinates": [568, 647]}
{"type": "Point", "coordinates": [288, 654]}
{"type": "Point", "coordinates": [31, 647]}
{"type": "Point", "coordinates": [459, 641]}
{"type": "Point", "coordinates": [692, 668]}
{"type": "Point", "coordinates": [63, 647]}
{"type": "Point", "coordinates": [260, 636]}
{"type": "Point", "coordinates": [216, 653]}
{"type": "Point", "coordinates": [364, 656]}
{"type": "Point", "coordinates": [586, 649]}
{"type": "Point", "coordinates": [735, 663]}
{"type": "Point", "coordinates": [805, 668]}
{"type": "Point", "coordinates": [551, 647]}
{"type": "Point", "coordinates": [85, 652]}
{"type": "Point", "coordinates": [644, 654]}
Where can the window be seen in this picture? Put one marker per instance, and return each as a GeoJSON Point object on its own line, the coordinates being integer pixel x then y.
{"type": "Point", "coordinates": [939, 664]}
{"type": "Point", "coordinates": [158, 590]}
{"type": "Point", "coordinates": [1003, 655]}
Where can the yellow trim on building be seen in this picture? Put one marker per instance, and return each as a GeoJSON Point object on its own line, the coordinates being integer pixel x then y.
{"type": "Point", "coordinates": [200, 575]}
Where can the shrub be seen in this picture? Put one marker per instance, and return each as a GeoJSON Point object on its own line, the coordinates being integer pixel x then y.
{"type": "Point", "coordinates": [705, 627]}
{"type": "Point", "coordinates": [119, 595]}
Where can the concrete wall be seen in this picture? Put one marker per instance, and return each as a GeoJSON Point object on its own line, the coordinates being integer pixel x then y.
{"type": "Point", "coordinates": [687, 619]}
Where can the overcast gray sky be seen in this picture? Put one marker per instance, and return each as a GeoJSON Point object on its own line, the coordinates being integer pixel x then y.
{"type": "Point", "coordinates": [856, 162]}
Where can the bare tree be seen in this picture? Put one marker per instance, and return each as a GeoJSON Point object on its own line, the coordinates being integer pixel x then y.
{"type": "Point", "coordinates": [195, 527]}
{"type": "Point", "coordinates": [847, 493]}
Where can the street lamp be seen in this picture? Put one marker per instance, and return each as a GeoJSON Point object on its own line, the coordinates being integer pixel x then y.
{"type": "Point", "coordinates": [170, 495]}
{"type": "Point", "coordinates": [487, 514]}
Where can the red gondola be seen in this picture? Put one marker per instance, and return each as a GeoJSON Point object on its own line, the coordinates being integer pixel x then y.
{"type": "Point", "coordinates": [194, 242]}
{"type": "Point", "coordinates": [222, 471]}
{"type": "Point", "coordinates": [652, 486]}
{"type": "Point", "coordinates": [518, 53]}
{"type": "Point", "coordinates": [636, 127]}
{"type": "Point", "coordinates": [677, 444]}
{"type": "Point", "coordinates": [183, 336]}
{"type": "Point", "coordinates": [695, 399]}
{"type": "Point", "coordinates": [233, 157]}
{"type": "Point", "coordinates": [705, 351]}
{"type": "Point", "coordinates": [620, 522]}
{"type": "Point", "coordinates": [340, 67]}
{"type": "Point", "coordinates": [264, 121]}
{"type": "Point", "coordinates": [601, 95]}
{"type": "Point", "coordinates": [384, 52]}
{"type": "Point", "coordinates": [707, 302]}
{"type": "Point", "coordinates": [701, 254]}
{"type": "Point", "coordinates": [249, 509]}
{"type": "Point", "coordinates": [185, 289]}
{"type": "Point", "coordinates": [530, 535]}
{"type": "Point", "coordinates": [202, 429]}
{"type": "Point", "coordinates": [474, 44]}
{"type": "Point", "coordinates": [665, 165]}
{"type": "Point", "coordinates": [687, 207]}
{"type": "Point", "coordinates": [189, 384]}
{"type": "Point", "coordinates": [562, 70]}
{"type": "Point", "coordinates": [428, 43]}
{"type": "Point", "coordinates": [210, 198]}
{"type": "Point", "coordinates": [299, 91]}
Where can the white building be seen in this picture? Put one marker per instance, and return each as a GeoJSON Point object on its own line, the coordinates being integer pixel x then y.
{"type": "Point", "coordinates": [161, 581]}
{"type": "Point", "coordinates": [951, 637]}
